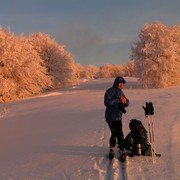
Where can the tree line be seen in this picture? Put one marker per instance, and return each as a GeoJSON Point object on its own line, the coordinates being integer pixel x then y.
{"type": "Point", "coordinates": [32, 64]}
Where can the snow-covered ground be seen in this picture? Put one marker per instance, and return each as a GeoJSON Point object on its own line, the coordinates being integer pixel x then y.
{"type": "Point", "coordinates": [62, 135]}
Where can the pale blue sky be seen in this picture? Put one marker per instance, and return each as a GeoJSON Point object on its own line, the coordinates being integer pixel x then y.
{"type": "Point", "coordinates": [94, 31]}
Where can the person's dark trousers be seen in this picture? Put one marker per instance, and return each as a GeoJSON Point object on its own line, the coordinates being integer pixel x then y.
{"type": "Point", "coordinates": [116, 133]}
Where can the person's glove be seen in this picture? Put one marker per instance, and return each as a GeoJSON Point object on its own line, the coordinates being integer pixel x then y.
{"type": "Point", "coordinates": [146, 109]}
{"type": "Point", "coordinates": [149, 109]}
{"type": "Point", "coordinates": [123, 100]}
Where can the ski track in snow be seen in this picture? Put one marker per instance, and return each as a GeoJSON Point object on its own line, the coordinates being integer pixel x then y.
{"type": "Point", "coordinates": [109, 169]}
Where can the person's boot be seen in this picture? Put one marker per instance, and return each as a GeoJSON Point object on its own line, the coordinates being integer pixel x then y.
{"type": "Point", "coordinates": [123, 155]}
{"type": "Point", "coordinates": [111, 152]}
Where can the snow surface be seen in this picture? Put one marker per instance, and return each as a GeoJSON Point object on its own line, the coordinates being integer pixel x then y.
{"type": "Point", "coordinates": [62, 135]}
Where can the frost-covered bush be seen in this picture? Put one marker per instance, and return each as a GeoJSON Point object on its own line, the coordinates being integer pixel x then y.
{"type": "Point", "coordinates": [157, 55]}
{"type": "Point", "coordinates": [91, 71]}
{"type": "Point", "coordinates": [21, 70]}
{"type": "Point", "coordinates": [130, 69]}
{"type": "Point", "coordinates": [111, 70]}
{"type": "Point", "coordinates": [59, 63]}
{"type": "Point", "coordinates": [80, 71]}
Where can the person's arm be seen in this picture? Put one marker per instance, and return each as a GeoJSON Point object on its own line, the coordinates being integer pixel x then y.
{"type": "Point", "coordinates": [110, 98]}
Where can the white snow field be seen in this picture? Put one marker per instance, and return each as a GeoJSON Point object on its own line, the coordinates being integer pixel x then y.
{"type": "Point", "coordinates": [62, 135]}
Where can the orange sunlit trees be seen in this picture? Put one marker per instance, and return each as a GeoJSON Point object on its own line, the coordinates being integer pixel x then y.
{"type": "Point", "coordinates": [59, 63]}
{"type": "Point", "coordinates": [111, 70]}
{"type": "Point", "coordinates": [21, 70]}
{"type": "Point", "coordinates": [157, 55]}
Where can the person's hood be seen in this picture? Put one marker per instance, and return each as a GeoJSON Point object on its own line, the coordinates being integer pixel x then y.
{"type": "Point", "coordinates": [118, 80]}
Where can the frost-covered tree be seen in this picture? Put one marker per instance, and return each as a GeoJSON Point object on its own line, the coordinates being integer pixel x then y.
{"type": "Point", "coordinates": [21, 70]}
{"type": "Point", "coordinates": [59, 63]}
{"type": "Point", "coordinates": [130, 69]}
{"type": "Point", "coordinates": [157, 55]}
{"type": "Point", "coordinates": [117, 70]}
{"type": "Point", "coordinates": [79, 71]}
{"type": "Point", "coordinates": [91, 71]}
{"type": "Point", "coordinates": [111, 70]}
{"type": "Point", "coordinates": [105, 71]}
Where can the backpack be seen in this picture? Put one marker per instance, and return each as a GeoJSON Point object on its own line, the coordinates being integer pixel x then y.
{"type": "Point", "coordinates": [137, 135]}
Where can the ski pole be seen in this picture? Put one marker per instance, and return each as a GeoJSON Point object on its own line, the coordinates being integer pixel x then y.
{"type": "Point", "coordinates": [149, 129]}
{"type": "Point", "coordinates": [153, 137]}
{"type": "Point", "coordinates": [149, 112]}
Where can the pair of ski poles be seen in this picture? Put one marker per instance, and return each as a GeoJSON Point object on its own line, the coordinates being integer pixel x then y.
{"type": "Point", "coordinates": [149, 114]}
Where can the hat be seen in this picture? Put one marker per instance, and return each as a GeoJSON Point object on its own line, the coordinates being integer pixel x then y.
{"type": "Point", "coordinates": [118, 80]}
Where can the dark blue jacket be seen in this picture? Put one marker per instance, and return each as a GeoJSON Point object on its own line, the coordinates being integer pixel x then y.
{"type": "Point", "coordinates": [114, 107]}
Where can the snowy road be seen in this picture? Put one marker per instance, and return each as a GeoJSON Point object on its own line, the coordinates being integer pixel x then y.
{"type": "Point", "coordinates": [63, 136]}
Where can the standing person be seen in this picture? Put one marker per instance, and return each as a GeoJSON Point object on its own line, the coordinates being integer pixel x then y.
{"type": "Point", "coordinates": [115, 102]}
